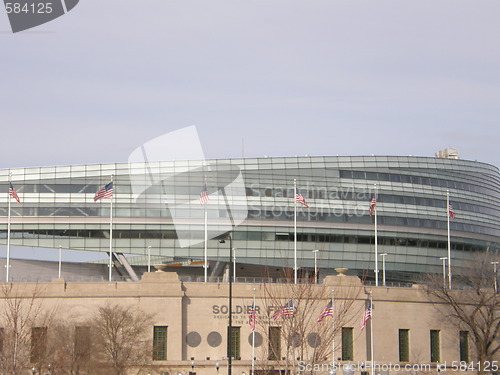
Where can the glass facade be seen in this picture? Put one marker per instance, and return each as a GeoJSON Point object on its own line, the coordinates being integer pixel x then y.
{"type": "Point", "coordinates": [157, 204]}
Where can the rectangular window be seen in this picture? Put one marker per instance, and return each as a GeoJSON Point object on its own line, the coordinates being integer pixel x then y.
{"type": "Point", "coordinates": [347, 344]}
{"type": "Point", "coordinates": [404, 345]}
{"type": "Point", "coordinates": [82, 344]}
{"type": "Point", "coordinates": [234, 350]}
{"type": "Point", "coordinates": [435, 351]}
{"type": "Point", "coordinates": [159, 343]}
{"type": "Point", "coordinates": [274, 343]}
{"type": "Point", "coordinates": [38, 344]}
{"type": "Point", "coordinates": [464, 346]}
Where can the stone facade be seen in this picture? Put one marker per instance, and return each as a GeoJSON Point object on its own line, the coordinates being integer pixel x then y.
{"type": "Point", "coordinates": [196, 316]}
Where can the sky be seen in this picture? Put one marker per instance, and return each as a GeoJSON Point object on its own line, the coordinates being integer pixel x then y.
{"type": "Point", "coordinates": [256, 77]}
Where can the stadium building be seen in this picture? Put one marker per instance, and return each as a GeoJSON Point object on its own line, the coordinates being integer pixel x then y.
{"type": "Point", "coordinates": [189, 329]}
{"type": "Point", "coordinates": [157, 210]}
{"type": "Point", "coordinates": [267, 210]}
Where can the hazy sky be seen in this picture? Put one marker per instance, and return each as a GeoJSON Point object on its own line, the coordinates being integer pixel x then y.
{"type": "Point", "coordinates": [289, 77]}
{"type": "Point", "coordinates": [391, 77]}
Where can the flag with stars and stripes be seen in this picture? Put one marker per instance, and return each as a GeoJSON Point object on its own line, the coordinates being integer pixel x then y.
{"type": "Point", "coordinates": [251, 318]}
{"type": "Point", "coordinates": [366, 315]}
{"type": "Point", "coordinates": [327, 311]}
{"type": "Point", "coordinates": [451, 213]}
{"type": "Point", "coordinates": [104, 192]}
{"type": "Point", "coordinates": [204, 195]}
{"type": "Point", "coordinates": [373, 203]}
{"type": "Point", "coordinates": [299, 198]}
{"type": "Point", "coordinates": [285, 310]}
{"type": "Point", "coordinates": [13, 194]}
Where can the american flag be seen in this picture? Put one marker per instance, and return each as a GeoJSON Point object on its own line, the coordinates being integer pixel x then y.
{"type": "Point", "coordinates": [299, 198]}
{"type": "Point", "coordinates": [451, 213]}
{"type": "Point", "coordinates": [373, 203]}
{"type": "Point", "coordinates": [204, 195]}
{"type": "Point", "coordinates": [13, 194]}
{"type": "Point", "coordinates": [327, 311]}
{"type": "Point", "coordinates": [367, 315]}
{"type": "Point", "coordinates": [251, 318]}
{"type": "Point", "coordinates": [104, 192]}
{"type": "Point", "coordinates": [285, 310]}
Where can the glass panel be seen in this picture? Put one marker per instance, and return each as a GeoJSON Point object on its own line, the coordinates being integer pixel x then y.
{"type": "Point", "coordinates": [160, 343]}
{"type": "Point", "coordinates": [464, 346]}
{"type": "Point", "coordinates": [274, 343]}
{"type": "Point", "coordinates": [347, 344]}
{"type": "Point", "coordinates": [38, 344]}
{"type": "Point", "coordinates": [435, 352]}
{"type": "Point", "coordinates": [235, 342]}
{"type": "Point", "coordinates": [404, 345]}
{"type": "Point", "coordinates": [82, 344]}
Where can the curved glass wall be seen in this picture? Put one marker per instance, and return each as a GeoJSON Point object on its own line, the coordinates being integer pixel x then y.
{"type": "Point", "coordinates": [158, 205]}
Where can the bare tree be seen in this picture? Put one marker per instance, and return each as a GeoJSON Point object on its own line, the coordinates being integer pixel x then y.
{"type": "Point", "coordinates": [25, 323]}
{"type": "Point", "coordinates": [306, 340]}
{"type": "Point", "coordinates": [70, 349]}
{"type": "Point", "coordinates": [474, 306]}
{"type": "Point", "coordinates": [121, 340]}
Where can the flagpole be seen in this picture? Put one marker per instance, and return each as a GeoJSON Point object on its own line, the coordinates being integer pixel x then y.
{"type": "Point", "coordinates": [376, 240]}
{"type": "Point", "coordinates": [333, 331]}
{"type": "Point", "coordinates": [449, 240]}
{"type": "Point", "coordinates": [372, 344]}
{"type": "Point", "coordinates": [253, 336]}
{"type": "Point", "coordinates": [295, 230]}
{"type": "Point", "coordinates": [205, 266]}
{"type": "Point", "coordinates": [111, 231]}
{"type": "Point", "coordinates": [7, 265]}
{"type": "Point", "coordinates": [206, 239]}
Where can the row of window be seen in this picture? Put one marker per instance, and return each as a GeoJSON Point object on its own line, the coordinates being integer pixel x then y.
{"type": "Point", "coordinates": [365, 196]}
{"type": "Point", "coordinates": [347, 340]}
{"type": "Point", "coordinates": [417, 180]}
{"type": "Point", "coordinates": [309, 192]}
{"type": "Point", "coordinates": [255, 236]}
{"type": "Point", "coordinates": [82, 343]}
{"type": "Point", "coordinates": [38, 343]}
{"type": "Point", "coordinates": [340, 217]}
{"type": "Point", "coordinates": [329, 215]}
{"type": "Point", "coordinates": [370, 240]}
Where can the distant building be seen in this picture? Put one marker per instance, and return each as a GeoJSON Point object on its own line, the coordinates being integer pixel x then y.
{"type": "Point", "coordinates": [448, 153]}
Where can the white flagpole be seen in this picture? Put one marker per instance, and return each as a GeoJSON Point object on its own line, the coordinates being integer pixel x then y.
{"type": "Point", "coordinates": [60, 261]}
{"type": "Point", "coordinates": [449, 240]}
{"type": "Point", "coordinates": [372, 344]}
{"type": "Point", "coordinates": [111, 231]}
{"type": "Point", "coordinates": [206, 240]}
{"type": "Point", "coordinates": [7, 265]}
{"type": "Point", "coordinates": [376, 238]}
{"type": "Point", "coordinates": [253, 336]}
{"type": "Point", "coordinates": [205, 265]}
{"type": "Point", "coordinates": [333, 331]}
{"type": "Point", "coordinates": [295, 230]}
